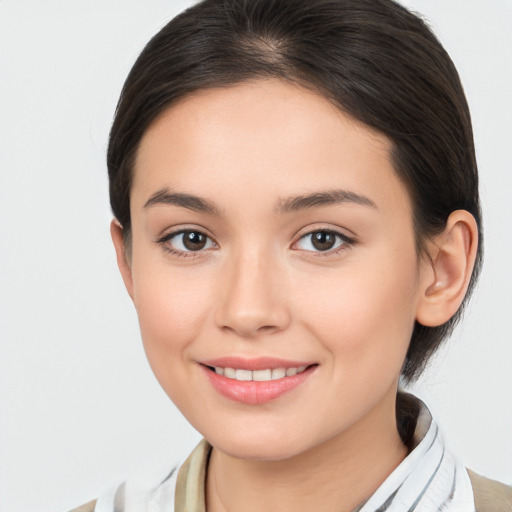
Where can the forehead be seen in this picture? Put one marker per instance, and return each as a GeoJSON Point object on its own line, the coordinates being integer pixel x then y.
{"type": "Point", "coordinates": [266, 136]}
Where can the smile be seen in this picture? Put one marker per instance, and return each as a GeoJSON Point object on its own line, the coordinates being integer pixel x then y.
{"type": "Point", "coordinates": [258, 375]}
{"type": "Point", "coordinates": [256, 381]}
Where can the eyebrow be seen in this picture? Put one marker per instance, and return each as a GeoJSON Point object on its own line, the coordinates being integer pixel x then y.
{"type": "Point", "coordinates": [192, 202]}
{"type": "Point", "coordinates": [318, 199]}
{"type": "Point", "coordinates": [288, 205]}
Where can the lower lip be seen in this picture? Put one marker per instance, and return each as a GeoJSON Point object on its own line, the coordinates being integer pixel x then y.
{"type": "Point", "coordinates": [256, 392]}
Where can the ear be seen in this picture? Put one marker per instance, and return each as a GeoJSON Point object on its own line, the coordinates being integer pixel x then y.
{"type": "Point", "coordinates": [116, 231]}
{"type": "Point", "coordinates": [452, 258]}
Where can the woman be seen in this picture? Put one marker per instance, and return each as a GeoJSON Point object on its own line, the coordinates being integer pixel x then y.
{"type": "Point", "coordinates": [297, 222]}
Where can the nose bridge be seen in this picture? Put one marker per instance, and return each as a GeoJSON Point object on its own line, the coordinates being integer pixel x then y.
{"type": "Point", "coordinates": [253, 301]}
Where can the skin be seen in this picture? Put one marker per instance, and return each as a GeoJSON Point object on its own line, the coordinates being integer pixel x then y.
{"type": "Point", "coordinates": [261, 288]}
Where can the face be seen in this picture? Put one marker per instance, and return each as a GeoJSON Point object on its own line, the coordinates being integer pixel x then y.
{"type": "Point", "coordinates": [273, 267]}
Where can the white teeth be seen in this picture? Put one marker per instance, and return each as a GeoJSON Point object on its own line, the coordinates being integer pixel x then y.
{"type": "Point", "coordinates": [243, 375]}
{"type": "Point", "coordinates": [278, 373]}
{"type": "Point", "coordinates": [262, 375]}
{"type": "Point", "coordinates": [258, 375]}
{"type": "Point", "coordinates": [230, 373]}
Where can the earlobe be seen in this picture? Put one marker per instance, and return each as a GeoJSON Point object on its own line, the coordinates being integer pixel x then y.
{"type": "Point", "coordinates": [452, 258]}
{"type": "Point", "coordinates": [116, 231]}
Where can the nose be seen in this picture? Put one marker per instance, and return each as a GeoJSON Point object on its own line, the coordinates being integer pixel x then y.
{"type": "Point", "coordinates": [252, 299]}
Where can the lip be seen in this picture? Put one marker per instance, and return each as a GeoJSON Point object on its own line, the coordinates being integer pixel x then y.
{"type": "Point", "coordinates": [255, 392]}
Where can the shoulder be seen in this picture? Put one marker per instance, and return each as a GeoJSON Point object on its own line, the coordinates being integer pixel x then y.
{"type": "Point", "coordinates": [490, 495]}
{"type": "Point", "coordinates": [87, 507]}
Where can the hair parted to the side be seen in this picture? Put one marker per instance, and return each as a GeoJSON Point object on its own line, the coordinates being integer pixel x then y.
{"type": "Point", "coordinates": [373, 59]}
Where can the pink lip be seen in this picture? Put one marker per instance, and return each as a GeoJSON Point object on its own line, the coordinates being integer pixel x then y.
{"type": "Point", "coordinates": [255, 392]}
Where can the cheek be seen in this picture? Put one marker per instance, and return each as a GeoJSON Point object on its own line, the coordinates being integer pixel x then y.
{"type": "Point", "coordinates": [365, 311]}
{"type": "Point", "coordinates": [173, 308]}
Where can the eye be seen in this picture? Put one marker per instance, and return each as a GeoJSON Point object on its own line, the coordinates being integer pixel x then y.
{"type": "Point", "coordinates": [322, 240]}
{"type": "Point", "coordinates": [186, 241]}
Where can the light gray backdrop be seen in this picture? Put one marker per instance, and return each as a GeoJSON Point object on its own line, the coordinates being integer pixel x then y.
{"type": "Point", "coordinates": [79, 407]}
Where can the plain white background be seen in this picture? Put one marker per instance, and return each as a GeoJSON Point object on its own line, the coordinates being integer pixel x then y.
{"type": "Point", "coordinates": [79, 407]}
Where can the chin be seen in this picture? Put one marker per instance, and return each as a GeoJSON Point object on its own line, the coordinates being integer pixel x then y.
{"type": "Point", "coordinates": [259, 445]}
{"type": "Point", "coordinates": [259, 451]}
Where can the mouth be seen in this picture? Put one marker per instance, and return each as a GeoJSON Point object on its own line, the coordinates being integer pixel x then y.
{"type": "Point", "coordinates": [258, 381]}
{"type": "Point", "coordinates": [265, 375]}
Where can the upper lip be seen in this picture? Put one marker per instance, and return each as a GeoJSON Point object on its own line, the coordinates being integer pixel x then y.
{"type": "Point", "coordinates": [258, 363]}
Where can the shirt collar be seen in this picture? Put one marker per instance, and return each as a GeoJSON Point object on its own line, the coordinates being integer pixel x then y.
{"type": "Point", "coordinates": [191, 482]}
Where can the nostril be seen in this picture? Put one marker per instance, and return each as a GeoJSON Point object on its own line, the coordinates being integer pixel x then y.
{"type": "Point", "coordinates": [247, 330]}
{"type": "Point", "coordinates": [266, 328]}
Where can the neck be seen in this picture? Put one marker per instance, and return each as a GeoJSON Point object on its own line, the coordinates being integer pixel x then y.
{"type": "Point", "coordinates": [336, 475]}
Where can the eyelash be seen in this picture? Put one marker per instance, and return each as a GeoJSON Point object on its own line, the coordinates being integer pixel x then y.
{"type": "Point", "coordinates": [163, 242]}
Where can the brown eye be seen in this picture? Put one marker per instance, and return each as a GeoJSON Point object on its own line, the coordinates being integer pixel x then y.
{"type": "Point", "coordinates": [323, 240]}
{"type": "Point", "coordinates": [194, 241]}
{"type": "Point", "coordinates": [186, 241]}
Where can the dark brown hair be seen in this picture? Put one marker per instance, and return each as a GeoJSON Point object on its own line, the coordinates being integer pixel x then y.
{"type": "Point", "coordinates": [373, 59]}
